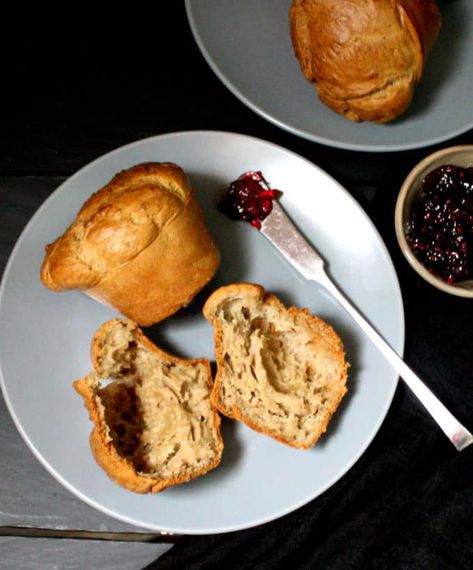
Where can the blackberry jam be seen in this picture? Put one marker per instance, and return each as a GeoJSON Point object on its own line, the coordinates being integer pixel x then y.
{"type": "Point", "coordinates": [440, 225]}
{"type": "Point", "coordinates": [249, 198]}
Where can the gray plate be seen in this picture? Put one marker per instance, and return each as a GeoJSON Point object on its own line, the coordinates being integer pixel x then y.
{"type": "Point", "coordinates": [46, 337]}
{"type": "Point", "coordinates": [248, 46]}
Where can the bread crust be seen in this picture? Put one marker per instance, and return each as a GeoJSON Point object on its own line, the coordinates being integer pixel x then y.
{"type": "Point", "coordinates": [257, 292]}
{"type": "Point", "coordinates": [364, 57]}
{"type": "Point", "coordinates": [117, 467]}
{"type": "Point", "coordinates": [139, 244]}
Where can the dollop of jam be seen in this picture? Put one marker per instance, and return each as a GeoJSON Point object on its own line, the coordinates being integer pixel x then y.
{"type": "Point", "coordinates": [440, 226]}
{"type": "Point", "coordinates": [249, 198]}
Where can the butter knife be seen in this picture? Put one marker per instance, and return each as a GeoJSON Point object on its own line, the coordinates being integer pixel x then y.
{"type": "Point", "coordinates": [278, 228]}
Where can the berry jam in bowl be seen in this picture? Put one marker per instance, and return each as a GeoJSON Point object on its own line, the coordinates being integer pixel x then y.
{"type": "Point", "coordinates": [434, 219]}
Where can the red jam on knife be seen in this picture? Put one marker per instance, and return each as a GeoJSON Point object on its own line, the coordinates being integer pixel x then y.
{"type": "Point", "coordinates": [440, 226]}
{"type": "Point", "coordinates": [249, 198]}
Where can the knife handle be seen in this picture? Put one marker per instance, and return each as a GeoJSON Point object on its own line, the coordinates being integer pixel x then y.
{"type": "Point", "coordinates": [453, 429]}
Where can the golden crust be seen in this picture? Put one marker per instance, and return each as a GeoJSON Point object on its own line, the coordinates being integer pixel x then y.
{"type": "Point", "coordinates": [117, 467]}
{"type": "Point", "coordinates": [364, 57]}
{"type": "Point", "coordinates": [255, 291]}
{"type": "Point", "coordinates": [139, 244]}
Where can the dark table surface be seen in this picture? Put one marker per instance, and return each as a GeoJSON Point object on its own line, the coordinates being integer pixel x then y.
{"type": "Point", "coordinates": [73, 93]}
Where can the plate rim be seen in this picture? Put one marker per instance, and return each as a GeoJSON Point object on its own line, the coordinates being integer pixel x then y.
{"type": "Point", "coordinates": [281, 512]}
{"type": "Point", "coordinates": [307, 135]}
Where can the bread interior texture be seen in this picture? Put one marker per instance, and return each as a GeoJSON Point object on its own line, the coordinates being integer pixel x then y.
{"type": "Point", "coordinates": [281, 370]}
{"type": "Point", "coordinates": [157, 411]}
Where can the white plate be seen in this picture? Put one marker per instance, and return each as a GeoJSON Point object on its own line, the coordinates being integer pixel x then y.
{"type": "Point", "coordinates": [248, 46]}
{"type": "Point", "coordinates": [46, 337]}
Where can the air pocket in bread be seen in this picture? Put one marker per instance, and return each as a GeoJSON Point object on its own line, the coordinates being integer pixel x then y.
{"type": "Point", "coordinates": [154, 424]}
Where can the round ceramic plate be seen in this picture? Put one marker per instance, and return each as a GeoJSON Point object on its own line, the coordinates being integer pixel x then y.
{"type": "Point", "coordinates": [259, 479]}
{"type": "Point", "coordinates": [247, 44]}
